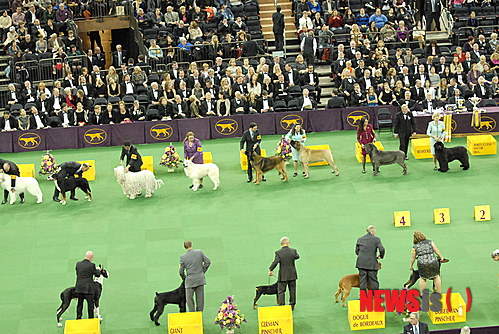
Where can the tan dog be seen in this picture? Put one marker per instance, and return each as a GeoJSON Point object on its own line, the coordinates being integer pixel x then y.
{"type": "Point", "coordinates": [346, 284]}
{"type": "Point", "coordinates": [263, 165]}
{"type": "Point", "coordinates": [307, 155]}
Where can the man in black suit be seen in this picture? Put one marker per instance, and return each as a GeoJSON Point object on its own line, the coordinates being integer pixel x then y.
{"type": "Point", "coordinates": [155, 93]}
{"type": "Point", "coordinates": [481, 90]}
{"type": "Point", "coordinates": [367, 249]}
{"type": "Point", "coordinates": [179, 107]}
{"type": "Point", "coordinates": [429, 104]}
{"type": "Point", "coordinates": [416, 326]}
{"type": "Point", "coordinates": [10, 168]}
{"type": "Point", "coordinates": [417, 92]}
{"type": "Point", "coordinates": [278, 28]}
{"type": "Point", "coordinates": [310, 80]}
{"type": "Point", "coordinates": [8, 122]}
{"type": "Point", "coordinates": [252, 139]}
{"type": "Point", "coordinates": [70, 170]}
{"type": "Point", "coordinates": [133, 158]}
{"type": "Point", "coordinates": [96, 117]}
{"type": "Point", "coordinates": [37, 120]}
{"type": "Point", "coordinates": [291, 76]}
{"type": "Point", "coordinates": [239, 86]}
{"type": "Point", "coordinates": [99, 58]}
{"type": "Point", "coordinates": [286, 258]}
{"type": "Point", "coordinates": [251, 48]}
{"type": "Point", "coordinates": [119, 56]}
{"type": "Point", "coordinates": [238, 105]}
{"type": "Point", "coordinates": [264, 104]}
{"type": "Point", "coordinates": [432, 9]}
{"type": "Point", "coordinates": [407, 100]}
{"type": "Point", "coordinates": [404, 128]}
{"type": "Point", "coordinates": [306, 101]}
{"type": "Point", "coordinates": [281, 89]}
{"type": "Point", "coordinates": [84, 288]}
{"type": "Point", "coordinates": [208, 106]}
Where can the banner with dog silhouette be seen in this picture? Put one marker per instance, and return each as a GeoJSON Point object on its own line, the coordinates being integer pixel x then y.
{"type": "Point", "coordinates": [461, 123]}
{"type": "Point", "coordinates": [284, 121]}
{"type": "Point", "coordinates": [93, 135]}
{"type": "Point", "coordinates": [223, 127]}
{"type": "Point", "coordinates": [161, 132]}
{"type": "Point", "coordinates": [25, 141]}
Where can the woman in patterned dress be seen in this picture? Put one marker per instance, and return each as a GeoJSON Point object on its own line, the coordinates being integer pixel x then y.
{"type": "Point", "coordinates": [424, 251]}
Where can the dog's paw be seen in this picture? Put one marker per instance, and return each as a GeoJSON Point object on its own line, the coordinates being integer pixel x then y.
{"type": "Point", "coordinates": [59, 324]}
{"type": "Point", "coordinates": [38, 202]}
{"type": "Point", "coordinates": [63, 202]}
{"type": "Point", "coordinates": [147, 196]}
{"type": "Point", "coordinates": [157, 323]}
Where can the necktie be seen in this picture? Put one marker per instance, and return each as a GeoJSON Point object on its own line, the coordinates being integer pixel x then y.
{"type": "Point", "coordinates": [416, 330]}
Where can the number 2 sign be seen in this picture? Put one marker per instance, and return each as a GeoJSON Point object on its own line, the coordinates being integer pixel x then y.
{"type": "Point", "coordinates": [482, 213]}
{"type": "Point", "coordinates": [402, 218]}
{"type": "Point", "coordinates": [441, 216]}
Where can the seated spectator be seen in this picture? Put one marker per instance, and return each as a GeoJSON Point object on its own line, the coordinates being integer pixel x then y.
{"type": "Point", "coordinates": [171, 17]}
{"type": "Point", "coordinates": [379, 19]}
{"type": "Point", "coordinates": [371, 97]}
{"type": "Point", "coordinates": [179, 108]}
{"type": "Point", "coordinates": [238, 25]}
{"type": "Point", "coordinates": [335, 21]}
{"type": "Point", "coordinates": [472, 76]}
{"type": "Point", "coordinates": [5, 24]}
{"type": "Point", "coordinates": [63, 16]}
{"type": "Point", "coordinates": [8, 122]}
{"type": "Point", "coordinates": [225, 14]}
{"type": "Point", "coordinates": [402, 32]}
{"type": "Point", "coordinates": [195, 33]}
{"type": "Point", "coordinates": [194, 107]}
{"type": "Point", "coordinates": [144, 21]}
{"type": "Point", "coordinates": [306, 101]}
{"type": "Point", "coordinates": [122, 115]}
{"type": "Point", "coordinates": [18, 16]}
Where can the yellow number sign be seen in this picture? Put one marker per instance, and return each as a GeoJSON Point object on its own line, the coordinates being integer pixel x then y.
{"type": "Point", "coordinates": [441, 216]}
{"type": "Point", "coordinates": [402, 218]}
{"type": "Point", "coordinates": [482, 213]}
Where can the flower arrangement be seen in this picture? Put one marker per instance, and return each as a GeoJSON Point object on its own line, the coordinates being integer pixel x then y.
{"type": "Point", "coordinates": [284, 149]}
{"type": "Point", "coordinates": [229, 317]}
{"type": "Point", "coordinates": [170, 158]}
{"type": "Point", "coordinates": [48, 165]}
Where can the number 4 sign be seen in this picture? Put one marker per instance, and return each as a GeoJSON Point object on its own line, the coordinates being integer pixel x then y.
{"type": "Point", "coordinates": [441, 216]}
{"type": "Point", "coordinates": [482, 213]}
{"type": "Point", "coordinates": [402, 218]}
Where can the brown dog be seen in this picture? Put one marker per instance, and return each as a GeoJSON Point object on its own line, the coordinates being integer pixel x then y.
{"type": "Point", "coordinates": [263, 165]}
{"type": "Point", "coordinates": [346, 284]}
{"type": "Point", "coordinates": [308, 155]}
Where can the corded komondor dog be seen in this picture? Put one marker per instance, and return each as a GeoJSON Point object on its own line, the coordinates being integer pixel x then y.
{"type": "Point", "coordinates": [134, 183]}
{"type": "Point", "coordinates": [23, 184]}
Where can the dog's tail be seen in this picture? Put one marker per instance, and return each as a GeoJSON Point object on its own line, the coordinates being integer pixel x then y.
{"type": "Point", "coordinates": [158, 184]}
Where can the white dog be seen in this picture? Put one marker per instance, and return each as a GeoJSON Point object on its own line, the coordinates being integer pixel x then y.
{"type": "Point", "coordinates": [23, 184]}
{"type": "Point", "coordinates": [197, 171]}
{"type": "Point", "coordinates": [134, 183]}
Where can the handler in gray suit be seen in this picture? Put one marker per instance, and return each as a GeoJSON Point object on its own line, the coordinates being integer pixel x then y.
{"type": "Point", "coordinates": [195, 263]}
{"type": "Point", "coordinates": [367, 260]}
{"type": "Point", "coordinates": [285, 257]}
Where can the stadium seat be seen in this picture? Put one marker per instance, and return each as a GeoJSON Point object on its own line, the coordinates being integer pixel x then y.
{"type": "Point", "coordinates": [489, 103]}
{"type": "Point", "coordinates": [153, 78]}
{"type": "Point", "coordinates": [384, 119]}
{"type": "Point", "coordinates": [100, 101]}
{"type": "Point", "coordinates": [293, 105]}
{"type": "Point", "coordinates": [128, 99]}
{"type": "Point", "coordinates": [15, 107]}
{"type": "Point", "coordinates": [114, 100]}
{"type": "Point", "coordinates": [280, 106]}
{"type": "Point", "coordinates": [28, 105]}
{"type": "Point", "coordinates": [143, 100]}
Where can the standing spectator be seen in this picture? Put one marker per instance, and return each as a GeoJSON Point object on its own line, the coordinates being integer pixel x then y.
{"type": "Point", "coordinates": [278, 28]}
{"type": "Point", "coordinates": [367, 248]}
{"type": "Point", "coordinates": [193, 266]}
{"type": "Point", "coordinates": [286, 258]}
{"type": "Point", "coordinates": [416, 326]}
{"type": "Point", "coordinates": [133, 158]}
{"type": "Point", "coordinates": [432, 10]}
{"type": "Point", "coordinates": [365, 135]}
{"type": "Point", "coordinates": [252, 139]}
{"type": "Point", "coordinates": [193, 151]}
{"type": "Point", "coordinates": [424, 251]}
{"type": "Point", "coordinates": [6, 22]}
{"type": "Point", "coordinates": [436, 131]}
{"type": "Point", "coordinates": [404, 128]}
{"type": "Point", "coordinates": [308, 47]}
{"type": "Point", "coordinates": [297, 134]}
{"type": "Point", "coordinates": [84, 288]}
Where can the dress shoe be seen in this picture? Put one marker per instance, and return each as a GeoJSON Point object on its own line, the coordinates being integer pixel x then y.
{"type": "Point", "coordinates": [406, 158]}
{"type": "Point", "coordinates": [200, 186]}
{"type": "Point", "coordinates": [295, 174]}
{"type": "Point", "coordinates": [56, 199]}
{"type": "Point", "coordinates": [264, 179]}
{"type": "Point", "coordinates": [73, 198]}
{"type": "Point", "coordinates": [22, 200]}
{"type": "Point", "coordinates": [4, 201]}
{"type": "Point", "coordinates": [249, 180]}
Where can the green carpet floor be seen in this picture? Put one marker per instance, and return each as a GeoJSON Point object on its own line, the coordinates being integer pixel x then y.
{"type": "Point", "coordinates": [239, 227]}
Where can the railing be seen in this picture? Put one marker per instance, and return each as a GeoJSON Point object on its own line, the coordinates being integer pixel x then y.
{"type": "Point", "coordinates": [472, 29]}
{"type": "Point", "coordinates": [103, 8]}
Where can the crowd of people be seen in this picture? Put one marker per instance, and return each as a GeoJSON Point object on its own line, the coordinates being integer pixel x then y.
{"type": "Point", "coordinates": [366, 68]}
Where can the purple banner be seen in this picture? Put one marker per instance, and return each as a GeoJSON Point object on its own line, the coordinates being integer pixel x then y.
{"type": "Point", "coordinates": [133, 132]}
{"type": "Point", "coordinates": [461, 123]}
{"type": "Point", "coordinates": [265, 122]}
{"type": "Point", "coordinates": [200, 127]}
{"type": "Point", "coordinates": [61, 138]}
{"type": "Point", "coordinates": [30, 140]}
{"type": "Point", "coordinates": [226, 127]}
{"type": "Point", "coordinates": [324, 120]}
{"type": "Point", "coordinates": [351, 116]}
{"type": "Point", "coordinates": [94, 135]}
{"type": "Point", "coordinates": [6, 142]}
{"type": "Point", "coordinates": [285, 121]}
{"type": "Point", "coordinates": [161, 132]}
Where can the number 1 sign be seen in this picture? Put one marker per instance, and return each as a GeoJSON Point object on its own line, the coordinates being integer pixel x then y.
{"type": "Point", "coordinates": [402, 218]}
{"type": "Point", "coordinates": [482, 213]}
{"type": "Point", "coordinates": [441, 216]}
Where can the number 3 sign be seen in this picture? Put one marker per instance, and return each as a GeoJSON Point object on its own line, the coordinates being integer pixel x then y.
{"type": "Point", "coordinates": [482, 213]}
{"type": "Point", "coordinates": [441, 216]}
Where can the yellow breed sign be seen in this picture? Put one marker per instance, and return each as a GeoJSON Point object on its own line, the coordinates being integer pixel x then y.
{"type": "Point", "coordinates": [482, 145]}
{"type": "Point", "coordinates": [364, 320]}
{"type": "Point", "coordinates": [185, 323]}
{"type": "Point", "coordinates": [457, 313]}
{"type": "Point", "coordinates": [275, 320]}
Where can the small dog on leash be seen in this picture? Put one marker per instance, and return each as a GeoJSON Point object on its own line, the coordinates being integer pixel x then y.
{"type": "Point", "coordinates": [265, 290]}
{"type": "Point", "coordinates": [23, 184]}
{"type": "Point", "coordinates": [176, 296]}
{"type": "Point", "coordinates": [346, 284]}
{"type": "Point", "coordinates": [197, 171]}
{"type": "Point", "coordinates": [70, 294]}
{"type": "Point", "coordinates": [64, 185]}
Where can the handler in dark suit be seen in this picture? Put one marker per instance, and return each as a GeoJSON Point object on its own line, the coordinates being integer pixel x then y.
{"type": "Point", "coordinates": [404, 128]}
{"type": "Point", "coordinates": [432, 11]}
{"type": "Point", "coordinates": [286, 258]}
{"type": "Point", "coordinates": [367, 259]}
{"type": "Point", "coordinates": [278, 28]}
{"type": "Point", "coordinates": [252, 139]}
{"type": "Point", "coordinates": [10, 168]}
{"type": "Point", "coordinates": [133, 158]}
{"type": "Point", "coordinates": [195, 264]}
{"type": "Point", "coordinates": [70, 170]}
{"type": "Point", "coordinates": [84, 288]}
{"type": "Point", "coordinates": [416, 326]}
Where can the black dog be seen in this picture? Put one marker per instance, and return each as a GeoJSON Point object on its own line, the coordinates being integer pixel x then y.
{"type": "Point", "coordinates": [65, 185]}
{"type": "Point", "coordinates": [445, 155]}
{"type": "Point", "coordinates": [70, 294]}
{"type": "Point", "coordinates": [176, 296]}
{"type": "Point", "coordinates": [264, 290]}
